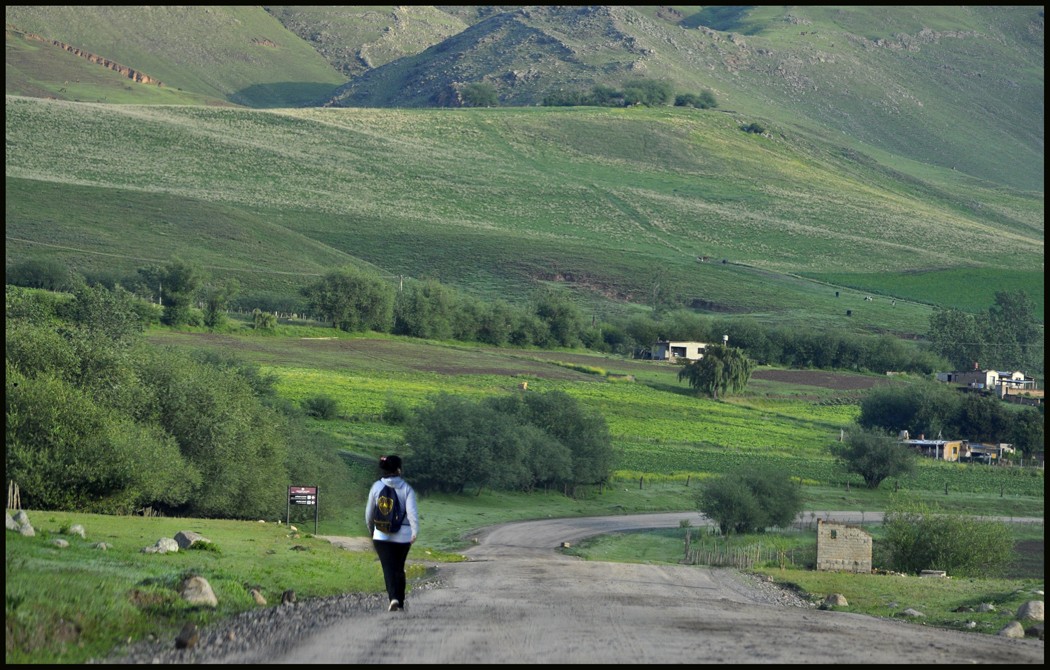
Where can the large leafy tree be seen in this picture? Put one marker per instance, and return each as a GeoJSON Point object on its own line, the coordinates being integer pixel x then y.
{"type": "Point", "coordinates": [722, 370]}
{"type": "Point", "coordinates": [68, 451]}
{"type": "Point", "coordinates": [353, 300]}
{"type": "Point", "coordinates": [585, 434]}
{"type": "Point", "coordinates": [222, 430]}
{"type": "Point", "coordinates": [511, 442]}
{"type": "Point", "coordinates": [1006, 338]}
{"type": "Point", "coordinates": [1010, 327]}
{"type": "Point", "coordinates": [424, 309]}
{"type": "Point", "coordinates": [752, 501]}
{"type": "Point", "coordinates": [1027, 431]}
{"type": "Point", "coordinates": [479, 94]}
{"type": "Point", "coordinates": [929, 407]}
{"type": "Point", "coordinates": [447, 440]}
{"type": "Point", "coordinates": [217, 297]}
{"type": "Point", "coordinates": [874, 456]}
{"type": "Point", "coordinates": [957, 336]}
{"type": "Point", "coordinates": [177, 284]}
{"type": "Point", "coordinates": [561, 316]}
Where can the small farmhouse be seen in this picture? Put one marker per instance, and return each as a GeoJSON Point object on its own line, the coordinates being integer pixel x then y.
{"type": "Point", "coordinates": [943, 450]}
{"type": "Point", "coordinates": [985, 453]}
{"type": "Point", "coordinates": [666, 350]}
{"type": "Point", "coordinates": [999, 381]}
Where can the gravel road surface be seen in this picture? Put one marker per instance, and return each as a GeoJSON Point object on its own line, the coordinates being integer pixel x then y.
{"type": "Point", "coordinates": [520, 600]}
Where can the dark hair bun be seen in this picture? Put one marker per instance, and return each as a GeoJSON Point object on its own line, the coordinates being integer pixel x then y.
{"type": "Point", "coordinates": [390, 463]}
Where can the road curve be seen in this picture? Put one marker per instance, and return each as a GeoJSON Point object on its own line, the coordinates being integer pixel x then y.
{"type": "Point", "coordinates": [519, 600]}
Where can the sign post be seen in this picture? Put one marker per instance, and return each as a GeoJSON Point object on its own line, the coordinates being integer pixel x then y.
{"type": "Point", "coordinates": [302, 495]}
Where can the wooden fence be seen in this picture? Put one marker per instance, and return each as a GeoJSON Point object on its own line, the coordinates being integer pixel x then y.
{"type": "Point", "coordinates": [719, 554]}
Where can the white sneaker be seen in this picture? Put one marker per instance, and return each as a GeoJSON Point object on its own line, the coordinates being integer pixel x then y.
{"type": "Point", "coordinates": [394, 606]}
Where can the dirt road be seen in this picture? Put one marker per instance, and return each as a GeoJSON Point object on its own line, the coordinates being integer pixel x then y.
{"type": "Point", "coordinates": [519, 600]}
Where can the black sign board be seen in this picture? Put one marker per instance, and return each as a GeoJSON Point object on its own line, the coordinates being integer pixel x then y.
{"type": "Point", "coordinates": [302, 495]}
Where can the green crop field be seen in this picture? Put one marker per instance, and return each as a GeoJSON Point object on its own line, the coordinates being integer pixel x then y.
{"type": "Point", "coordinates": [659, 427]}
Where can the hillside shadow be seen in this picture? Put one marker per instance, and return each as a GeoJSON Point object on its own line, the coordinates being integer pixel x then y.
{"type": "Point", "coordinates": [284, 94]}
{"type": "Point", "coordinates": [725, 18]}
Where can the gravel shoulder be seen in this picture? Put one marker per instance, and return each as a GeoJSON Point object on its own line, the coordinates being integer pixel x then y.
{"type": "Point", "coordinates": [520, 600]}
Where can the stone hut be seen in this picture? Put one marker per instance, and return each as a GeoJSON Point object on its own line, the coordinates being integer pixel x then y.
{"type": "Point", "coordinates": [842, 548]}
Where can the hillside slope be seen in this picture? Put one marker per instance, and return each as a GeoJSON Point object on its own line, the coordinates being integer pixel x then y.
{"type": "Point", "coordinates": [901, 152]}
{"type": "Point", "coordinates": [237, 54]}
{"type": "Point", "coordinates": [960, 88]}
{"type": "Point", "coordinates": [956, 87]}
{"type": "Point", "coordinates": [499, 201]}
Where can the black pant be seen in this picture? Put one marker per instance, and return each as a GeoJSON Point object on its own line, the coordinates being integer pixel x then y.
{"type": "Point", "coordinates": [392, 556]}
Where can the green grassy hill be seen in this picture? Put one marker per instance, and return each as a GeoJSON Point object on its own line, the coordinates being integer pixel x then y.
{"type": "Point", "coordinates": [237, 54]}
{"type": "Point", "coordinates": [500, 201]}
{"type": "Point", "coordinates": [956, 87]}
{"type": "Point", "coordinates": [961, 88]}
{"type": "Point", "coordinates": [902, 156]}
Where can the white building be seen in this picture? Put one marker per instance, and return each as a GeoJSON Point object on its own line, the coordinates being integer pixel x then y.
{"type": "Point", "coordinates": [667, 350]}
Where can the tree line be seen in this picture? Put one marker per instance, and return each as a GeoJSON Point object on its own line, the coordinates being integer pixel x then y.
{"type": "Point", "coordinates": [648, 92]}
{"type": "Point", "coordinates": [1005, 337]}
{"type": "Point", "coordinates": [640, 91]}
{"type": "Point", "coordinates": [100, 421]}
{"type": "Point", "coordinates": [931, 408]}
{"type": "Point", "coordinates": [353, 299]}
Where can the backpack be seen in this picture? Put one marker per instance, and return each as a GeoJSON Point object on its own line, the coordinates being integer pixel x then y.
{"type": "Point", "coordinates": [388, 514]}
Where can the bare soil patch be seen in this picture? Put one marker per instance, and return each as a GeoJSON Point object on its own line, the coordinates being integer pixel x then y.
{"type": "Point", "coordinates": [822, 378]}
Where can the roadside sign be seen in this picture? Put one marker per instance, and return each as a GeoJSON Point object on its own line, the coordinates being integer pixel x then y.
{"type": "Point", "coordinates": [302, 495]}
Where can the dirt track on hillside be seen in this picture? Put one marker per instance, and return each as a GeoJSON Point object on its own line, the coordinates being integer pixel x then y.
{"type": "Point", "coordinates": [519, 600]}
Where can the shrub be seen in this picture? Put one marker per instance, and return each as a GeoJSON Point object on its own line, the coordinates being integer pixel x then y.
{"type": "Point", "coordinates": [919, 538]}
{"type": "Point", "coordinates": [395, 412]}
{"type": "Point", "coordinates": [705, 100]}
{"type": "Point", "coordinates": [480, 94]}
{"type": "Point", "coordinates": [321, 407]}
{"type": "Point", "coordinates": [263, 320]}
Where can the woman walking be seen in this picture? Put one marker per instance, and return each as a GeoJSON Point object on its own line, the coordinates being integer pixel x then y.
{"type": "Point", "coordinates": [392, 543]}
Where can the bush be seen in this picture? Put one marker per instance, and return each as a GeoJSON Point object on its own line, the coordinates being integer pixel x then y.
{"type": "Point", "coordinates": [263, 320]}
{"type": "Point", "coordinates": [705, 100]}
{"type": "Point", "coordinates": [919, 538]}
{"type": "Point", "coordinates": [480, 94]}
{"type": "Point", "coordinates": [507, 442]}
{"type": "Point", "coordinates": [395, 412]}
{"type": "Point", "coordinates": [321, 407]}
